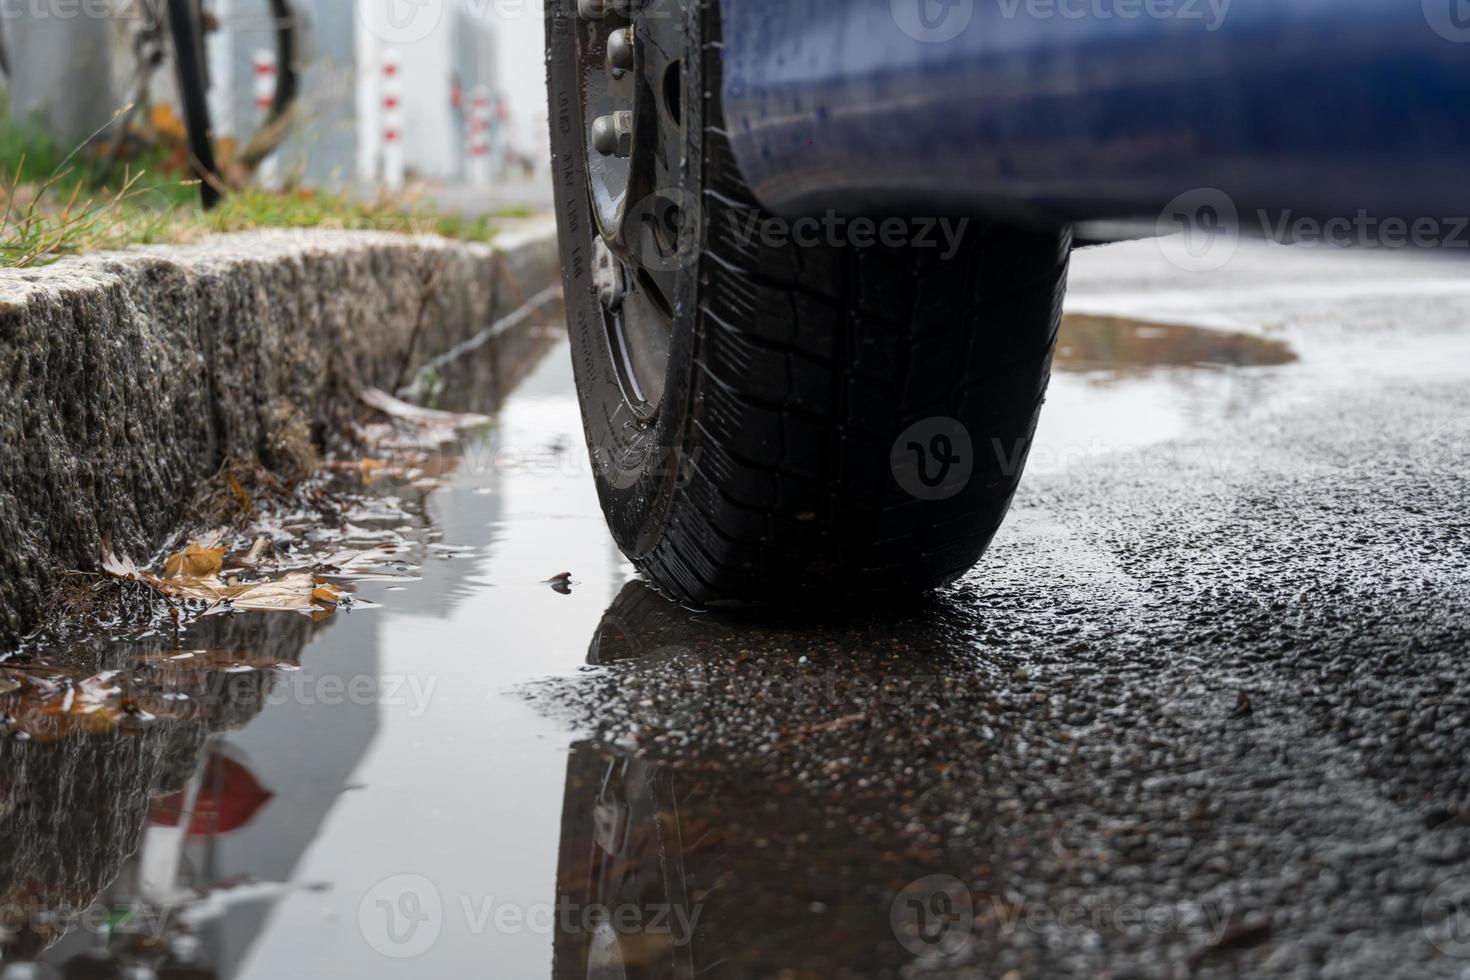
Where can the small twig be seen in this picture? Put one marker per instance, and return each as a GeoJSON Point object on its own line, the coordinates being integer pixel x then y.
{"type": "Point", "coordinates": [426, 293]}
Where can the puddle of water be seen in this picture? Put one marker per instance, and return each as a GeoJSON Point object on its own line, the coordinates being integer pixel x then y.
{"type": "Point", "coordinates": [369, 795]}
{"type": "Point", "coordinates": [1125, 386]}
{"type": "Point", "coordinates": [1118, 346]}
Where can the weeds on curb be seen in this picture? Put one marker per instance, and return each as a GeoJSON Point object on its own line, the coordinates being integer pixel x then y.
{"type": "Point", "coordinates": [34, 230]}
{"type": "Point", "coordinates": [53, 205]}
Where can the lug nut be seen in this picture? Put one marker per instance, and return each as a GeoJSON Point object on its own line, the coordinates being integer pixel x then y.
{"type": "Point", "coordinates": [612, 135]}
{"type": "Point", "coordinates": [620, 51]}
{"type": "Point", "coordinates": [608, 276]}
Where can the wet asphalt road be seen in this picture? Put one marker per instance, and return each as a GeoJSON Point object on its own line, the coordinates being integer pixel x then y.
{"type": "Point", "coordinates": [1201, 711]}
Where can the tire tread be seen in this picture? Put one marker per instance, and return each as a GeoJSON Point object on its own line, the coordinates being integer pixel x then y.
{"type": "Point", "coordinates": [810, 362]}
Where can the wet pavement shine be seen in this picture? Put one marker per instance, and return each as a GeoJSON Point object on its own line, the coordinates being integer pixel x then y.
{"type": "Point", "coordinates": [1201, 711]}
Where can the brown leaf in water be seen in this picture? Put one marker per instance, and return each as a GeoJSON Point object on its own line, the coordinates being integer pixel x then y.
{"type": "Point", "coordinates": [298, 591]}
{"type": "Point", "coordinates": [194, 562]}
{"type": "Point", "coordinates": [247, 503]}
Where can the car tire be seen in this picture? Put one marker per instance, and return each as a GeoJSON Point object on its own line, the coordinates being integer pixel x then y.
{"type": "Point", "coordinates": [835, 419]}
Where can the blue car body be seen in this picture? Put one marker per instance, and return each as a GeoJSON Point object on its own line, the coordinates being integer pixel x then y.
{"type": "Point", "coordinates": [1073, 110]}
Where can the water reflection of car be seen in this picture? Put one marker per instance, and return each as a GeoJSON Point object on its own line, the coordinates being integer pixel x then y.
{"type": "Point", "coordinates": [688, 865]}
{"type": "Point", "coordinates": [626, 894]}
{"type": "Point", "coordinates": [624, 838]}
{"type": "Point", "coordinates": [814, 252]}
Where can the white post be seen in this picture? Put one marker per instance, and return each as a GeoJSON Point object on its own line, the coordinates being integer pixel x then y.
{"type": "Point", "coordinates": [266, 80]}
{"type": "Point", "coordinates": [501, 152]}
{"type": "Point", "coordinates": [477, 128]}
{"type": "Point", "coordinates": [369, 103]}
{"type": "Point", "coordinates": [394, 163]}
{"type": "Point", "coordinates": [221, 46]}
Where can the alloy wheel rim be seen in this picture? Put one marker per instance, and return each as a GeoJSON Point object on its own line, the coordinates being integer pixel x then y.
{"type": "Point", "coordinates": [630, 87]}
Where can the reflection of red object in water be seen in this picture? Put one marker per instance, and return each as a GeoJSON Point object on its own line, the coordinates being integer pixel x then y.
{"type": "Point", "coordinates": [228, 799]}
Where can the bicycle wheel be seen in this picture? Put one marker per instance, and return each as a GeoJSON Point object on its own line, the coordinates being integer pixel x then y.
{"type": "Point", "coordinates": [186, 22]}
{"type": "Point", "coordinates": [287, 30]}
{"type": "Point", "coordinates": [288, 80]}
{"type": "Point", "coordinates": [186, 31]}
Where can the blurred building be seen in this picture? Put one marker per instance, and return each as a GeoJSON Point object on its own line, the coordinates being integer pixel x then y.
{"type": "Point", "coordinates": [70, 73]}
{"type": "Point", "coordinates": [341, 62]}
{"type": "Point", "coordinates": [76, 72]}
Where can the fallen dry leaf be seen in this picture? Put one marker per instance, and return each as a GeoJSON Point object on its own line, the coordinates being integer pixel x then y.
{"type": "Point", "coordinates": [352, 561]}
{"type": "Point", "coordinates": [247, 503]}
{"type": "Point", "coordinates": [194, 562]}
{"type": "Point", "coordinates": [296, 592]}
{"type": "Point", "coordinates": [119, 567]}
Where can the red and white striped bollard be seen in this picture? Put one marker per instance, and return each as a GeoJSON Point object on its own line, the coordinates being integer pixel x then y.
{"type": "Point", "coordinates": [266, 79]}
{"type": "Point", "coordinates": [394, 161]}
{"type": "Point", "coordinates": [478, 134]}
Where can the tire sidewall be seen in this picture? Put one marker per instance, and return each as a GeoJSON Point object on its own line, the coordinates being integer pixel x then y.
{"type": "Point", "coordinates": [637, 465]}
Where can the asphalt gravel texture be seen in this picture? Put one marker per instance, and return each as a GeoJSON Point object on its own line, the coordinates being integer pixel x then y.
{"type": "Point", "coordinates": [1202, 710]}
